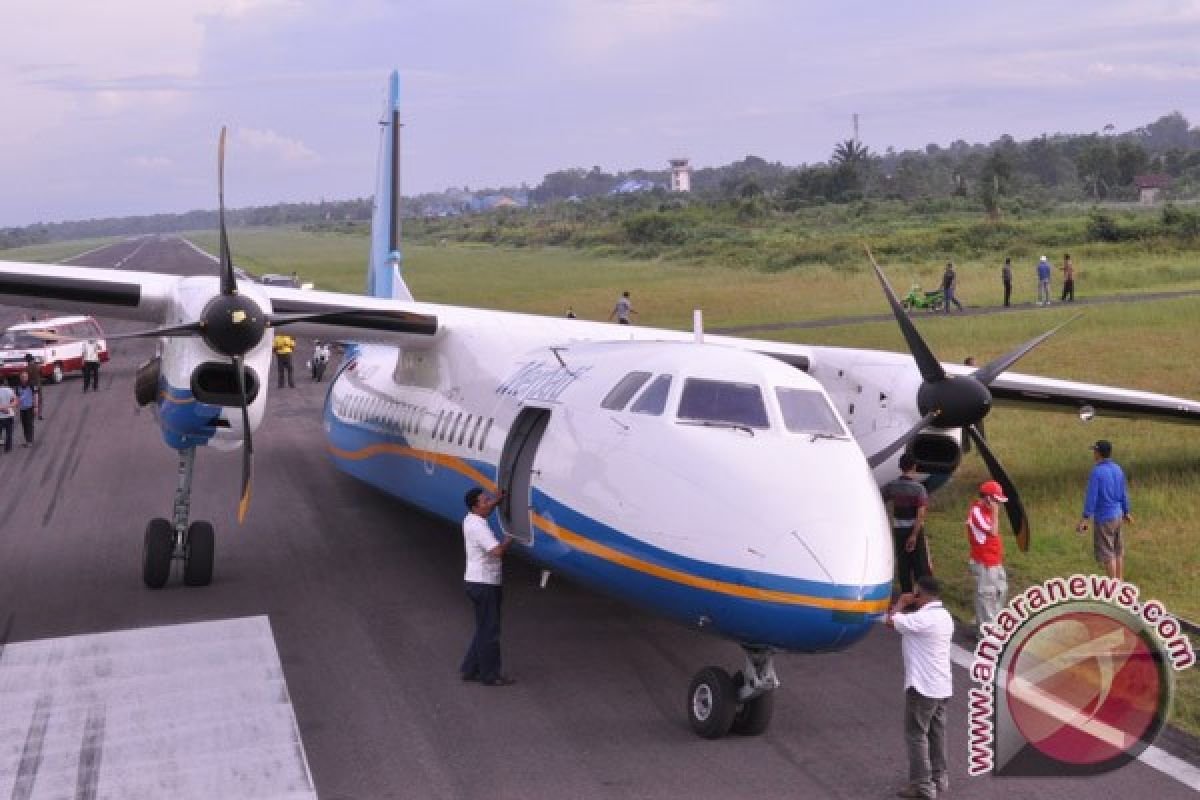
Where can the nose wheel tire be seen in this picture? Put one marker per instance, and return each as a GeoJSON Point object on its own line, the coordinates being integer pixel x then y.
{"type": "Point", "coordinates": [157, 549]}
{"type": "Point", "coordinates": [198, 558]}
{"type": "Point", "coordinates": [712, 703]}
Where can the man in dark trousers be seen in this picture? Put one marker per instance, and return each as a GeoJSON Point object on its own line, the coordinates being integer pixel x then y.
{"type": "Point", "coordinates": [35, 377]}
{"type": "Point", "coordinates": [483, 578]}
{"type": "Point", "coordinates": [909, 501]}
{"type": "Point", "coordinates": [950, 287]}
{"type": "Point", "coordinates": [27, 403]}
{"type": "Point", "coordinates": [1006, 279]}
{"type": "Point", "coordinates": [925, 632]}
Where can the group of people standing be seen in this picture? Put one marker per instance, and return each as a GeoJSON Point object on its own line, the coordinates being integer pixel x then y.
{"type": "Point", "coordinates": [284, 346]}
{"type": "Point", "coordinates": [1044, 271]}
{"type": "Point", "coordinates": [926, 627]}
{"type": "Point", "coordinates": [24, 402]}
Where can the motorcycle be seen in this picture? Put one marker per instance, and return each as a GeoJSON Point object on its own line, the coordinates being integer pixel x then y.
{"type": "Point", "coordinates": [931, 301]}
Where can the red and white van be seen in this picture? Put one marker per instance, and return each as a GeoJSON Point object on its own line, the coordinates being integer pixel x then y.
{"type": "Point", "coordinates": [56, 344]}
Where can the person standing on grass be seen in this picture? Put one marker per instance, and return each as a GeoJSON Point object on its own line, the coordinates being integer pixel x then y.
{"type": "Point", "coordinates": [925, 635]}
{"type": "Point", "coordinates": [1006, 279]}
{"type": "Point", "coordinates": [622, 309]}
{"type": "Point", "coordinates": [1107, 504]}
{"type": "Point", "coordinates": [27, 404]}
{"type": "Point", "coordinates": [949, 287]}
{"type": "Point", "coordinates": [1068, 270]}
{"type": "Point", "coordinates": [1043, 276]}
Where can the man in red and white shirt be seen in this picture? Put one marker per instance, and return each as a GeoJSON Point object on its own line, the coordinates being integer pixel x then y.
{"type": "Point", "coordinates": [987, 553]}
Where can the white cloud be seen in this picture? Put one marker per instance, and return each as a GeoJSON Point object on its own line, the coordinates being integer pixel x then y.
{"type": "Point", "coordinates": [269, 143]}
{"type": "Point", "coordinates": [594, 28]}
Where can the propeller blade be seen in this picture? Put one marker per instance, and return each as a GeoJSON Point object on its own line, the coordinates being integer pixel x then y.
{"type": "Point", "coordinates": [247, 444]}
{"type": "Point", "coordinates": [887, 452]}
{"type": "Point", "coordinates": [927, 363]}
{"type": "Point", "coordinates": [228, 280]}
{"type": "Point", "coordinates": [988, 372]}
{"type": "Point", "coordinates": [1016, 511]}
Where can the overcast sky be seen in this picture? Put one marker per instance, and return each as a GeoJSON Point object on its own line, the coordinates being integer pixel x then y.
{"type": "Point", "coordinates": [113, 108]}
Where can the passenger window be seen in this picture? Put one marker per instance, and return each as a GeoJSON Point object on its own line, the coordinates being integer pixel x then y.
{"type": "Point", "coordinates": [486, 431]}
{"type": "Point", "coordinates": [654, 399]}
{"type": "Point", "coordinates": [626, 388]}
{"type": "Point", "coordinates": [475, 431]}
{"type": "Point", "coordinates": [463, 433]}
{"type": "Point", "coordinates": [437, 425]}
{"type": "Point", "coordinates": [723, 402]}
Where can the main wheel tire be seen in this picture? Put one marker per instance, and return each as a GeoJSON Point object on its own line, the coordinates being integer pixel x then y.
{"type": "Point", "coordinates": [712, 702]}
{"type": "Point", "coordinates": [157, 550]}
{"type": "Point", "coordinates": [56, 373]}
{"type": "Point", "coordinates": [754, 716]}
{"type": "Point", "coordinates": [201, 546]}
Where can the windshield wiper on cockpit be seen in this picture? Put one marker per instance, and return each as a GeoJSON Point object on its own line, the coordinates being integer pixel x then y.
{"type": "Point", "coordinates": [714, 423]}
{"type": "Point", "coordinates": [826, 435]}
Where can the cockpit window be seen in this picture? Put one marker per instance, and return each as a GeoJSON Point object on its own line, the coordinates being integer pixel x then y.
{"type": "Point", "coordinates": [807, 411]}
{"type": "Point", "coordinates": [723, 402]}
{"type": "Point", "coordinates": [625, 389]}
{"type": "Point", "coordinates": [654, 399]}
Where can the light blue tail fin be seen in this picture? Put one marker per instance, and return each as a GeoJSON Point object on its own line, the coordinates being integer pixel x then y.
{"type": "Point", "coordinates": [384, 277]}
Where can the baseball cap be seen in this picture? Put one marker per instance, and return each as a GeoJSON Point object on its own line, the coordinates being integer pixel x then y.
{"type": "Point", "coordinates": [994, 490]}
{"type": "Point", "coordinates": [1044, 258]}
{"type": "Point", "coordinates": [1103, 447]}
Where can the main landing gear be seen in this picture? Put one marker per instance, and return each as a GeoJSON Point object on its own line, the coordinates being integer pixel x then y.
{"type": "Point", "coordinates": [742, 703]}
{"type": "Point", "coordinates": [168, 541]}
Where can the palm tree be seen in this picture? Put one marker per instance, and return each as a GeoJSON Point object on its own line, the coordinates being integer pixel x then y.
{"type": "Point", "coordinates": [850, 152]}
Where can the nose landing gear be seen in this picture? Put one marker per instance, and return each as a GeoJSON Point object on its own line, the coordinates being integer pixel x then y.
{"type": "Point", "coordinates": [168, 541]}
{"type": "Point", "coordinates": [742, 703]}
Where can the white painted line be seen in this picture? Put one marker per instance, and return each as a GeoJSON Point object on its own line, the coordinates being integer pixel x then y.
{"type": "Point", "coordinates": [184, 711]}
{"type": "Point", "coordinates": [195, 247]}
{"type": "Point", "coordinates": [1155, 757]}
{"type": "Point", "coordinates": [86, 253]}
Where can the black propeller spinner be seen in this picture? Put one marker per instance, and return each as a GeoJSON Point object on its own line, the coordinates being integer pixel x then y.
{"type": "Point", "coordinates": [957, 401]}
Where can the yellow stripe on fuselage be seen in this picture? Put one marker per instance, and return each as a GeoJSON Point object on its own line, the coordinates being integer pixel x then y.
{"type": "Point", "coordinates": [615, 556]}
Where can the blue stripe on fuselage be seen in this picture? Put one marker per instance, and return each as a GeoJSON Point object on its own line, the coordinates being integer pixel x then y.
{"type": "Point", "coordinates": [438, 489]}
{"type": "Point", "coordinates": [184, 421]}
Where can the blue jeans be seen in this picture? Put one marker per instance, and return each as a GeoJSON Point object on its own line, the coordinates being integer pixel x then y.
{"type": "Point", "coordinates": [483, 655]}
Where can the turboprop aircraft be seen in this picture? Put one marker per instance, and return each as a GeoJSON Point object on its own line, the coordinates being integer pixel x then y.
{"type": "Point", "coordinates": [730, 484]}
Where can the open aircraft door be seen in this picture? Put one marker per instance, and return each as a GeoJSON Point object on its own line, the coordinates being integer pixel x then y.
{"type": "Point", "coordinates": [516, 472]}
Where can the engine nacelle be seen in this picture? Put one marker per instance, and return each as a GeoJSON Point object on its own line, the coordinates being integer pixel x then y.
{"type": "Point", "coordinates": [936, 454]}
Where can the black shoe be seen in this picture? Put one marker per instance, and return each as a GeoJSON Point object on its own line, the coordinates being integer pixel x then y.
{"type": "Point", "coordinates": [502, 680]}
{"type": "Point", "coordinates": [465, 676]}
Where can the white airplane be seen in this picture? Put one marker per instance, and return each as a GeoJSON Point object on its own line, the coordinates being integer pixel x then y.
{"type": "Point", "coordinates": [730, 484]}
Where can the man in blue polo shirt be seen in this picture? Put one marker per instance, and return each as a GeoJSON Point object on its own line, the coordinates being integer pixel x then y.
{"type": "Point", "coordinates": [1107, 504]}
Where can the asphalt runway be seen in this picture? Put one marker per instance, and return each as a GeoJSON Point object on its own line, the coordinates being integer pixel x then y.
{"type": "Point", "coordinates": [365, 601]}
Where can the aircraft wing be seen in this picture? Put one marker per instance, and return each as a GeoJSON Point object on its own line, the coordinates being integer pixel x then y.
{"type": "Point", "coordinates": [90, 290]}
{"type": "Point", "coordinates": [1049, 394]}
{"type": "Point", "coordinates": [350, 316]}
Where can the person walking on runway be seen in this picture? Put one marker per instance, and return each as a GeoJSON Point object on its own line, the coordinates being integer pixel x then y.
{"type": "Point", "coordinates": [91, 365]}
{"type": "Point", "coordinates": [27, 403]}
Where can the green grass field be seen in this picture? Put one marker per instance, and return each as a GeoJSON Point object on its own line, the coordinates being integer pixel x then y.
{"type": "Point", "coordinates": [1150, 346]}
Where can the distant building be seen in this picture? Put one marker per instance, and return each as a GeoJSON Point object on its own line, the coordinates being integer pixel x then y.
{"type": "Point", "coordinates": [1151, 187]}
{"type": "Point", "coordinates": [681, 175]}
{"type": "Point", "coordinates": [632, 186]}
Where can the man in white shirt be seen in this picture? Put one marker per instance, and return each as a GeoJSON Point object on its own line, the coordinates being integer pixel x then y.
{"type": "Point", "coordinates": [926, 633]}
{"type": "Point", "coordinates": [483, 578]}
{"type": "Point", "coordinates": [91, 365]}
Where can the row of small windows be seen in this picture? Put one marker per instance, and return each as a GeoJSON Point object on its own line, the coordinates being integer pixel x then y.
{"type": "Point", "coordinates": [451, 426]}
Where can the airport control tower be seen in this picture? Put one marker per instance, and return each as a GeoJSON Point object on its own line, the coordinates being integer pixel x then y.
{"type": "Point", "coordinates": [681, 175]}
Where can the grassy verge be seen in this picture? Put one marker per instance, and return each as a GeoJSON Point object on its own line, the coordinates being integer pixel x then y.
{"type": "Point", "coordinates": [55, 251]}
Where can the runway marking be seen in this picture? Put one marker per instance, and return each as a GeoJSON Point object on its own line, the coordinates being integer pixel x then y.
{"type": "Point", "coordinates": [199, 710]}
{"type": "Point", "coordinates": [1152, 756]}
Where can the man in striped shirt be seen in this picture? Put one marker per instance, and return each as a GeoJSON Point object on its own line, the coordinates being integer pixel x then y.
{"type": "Point", "coordinates": [987, 553]}
{"type": "Point", "coordinates": [909, 501]}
